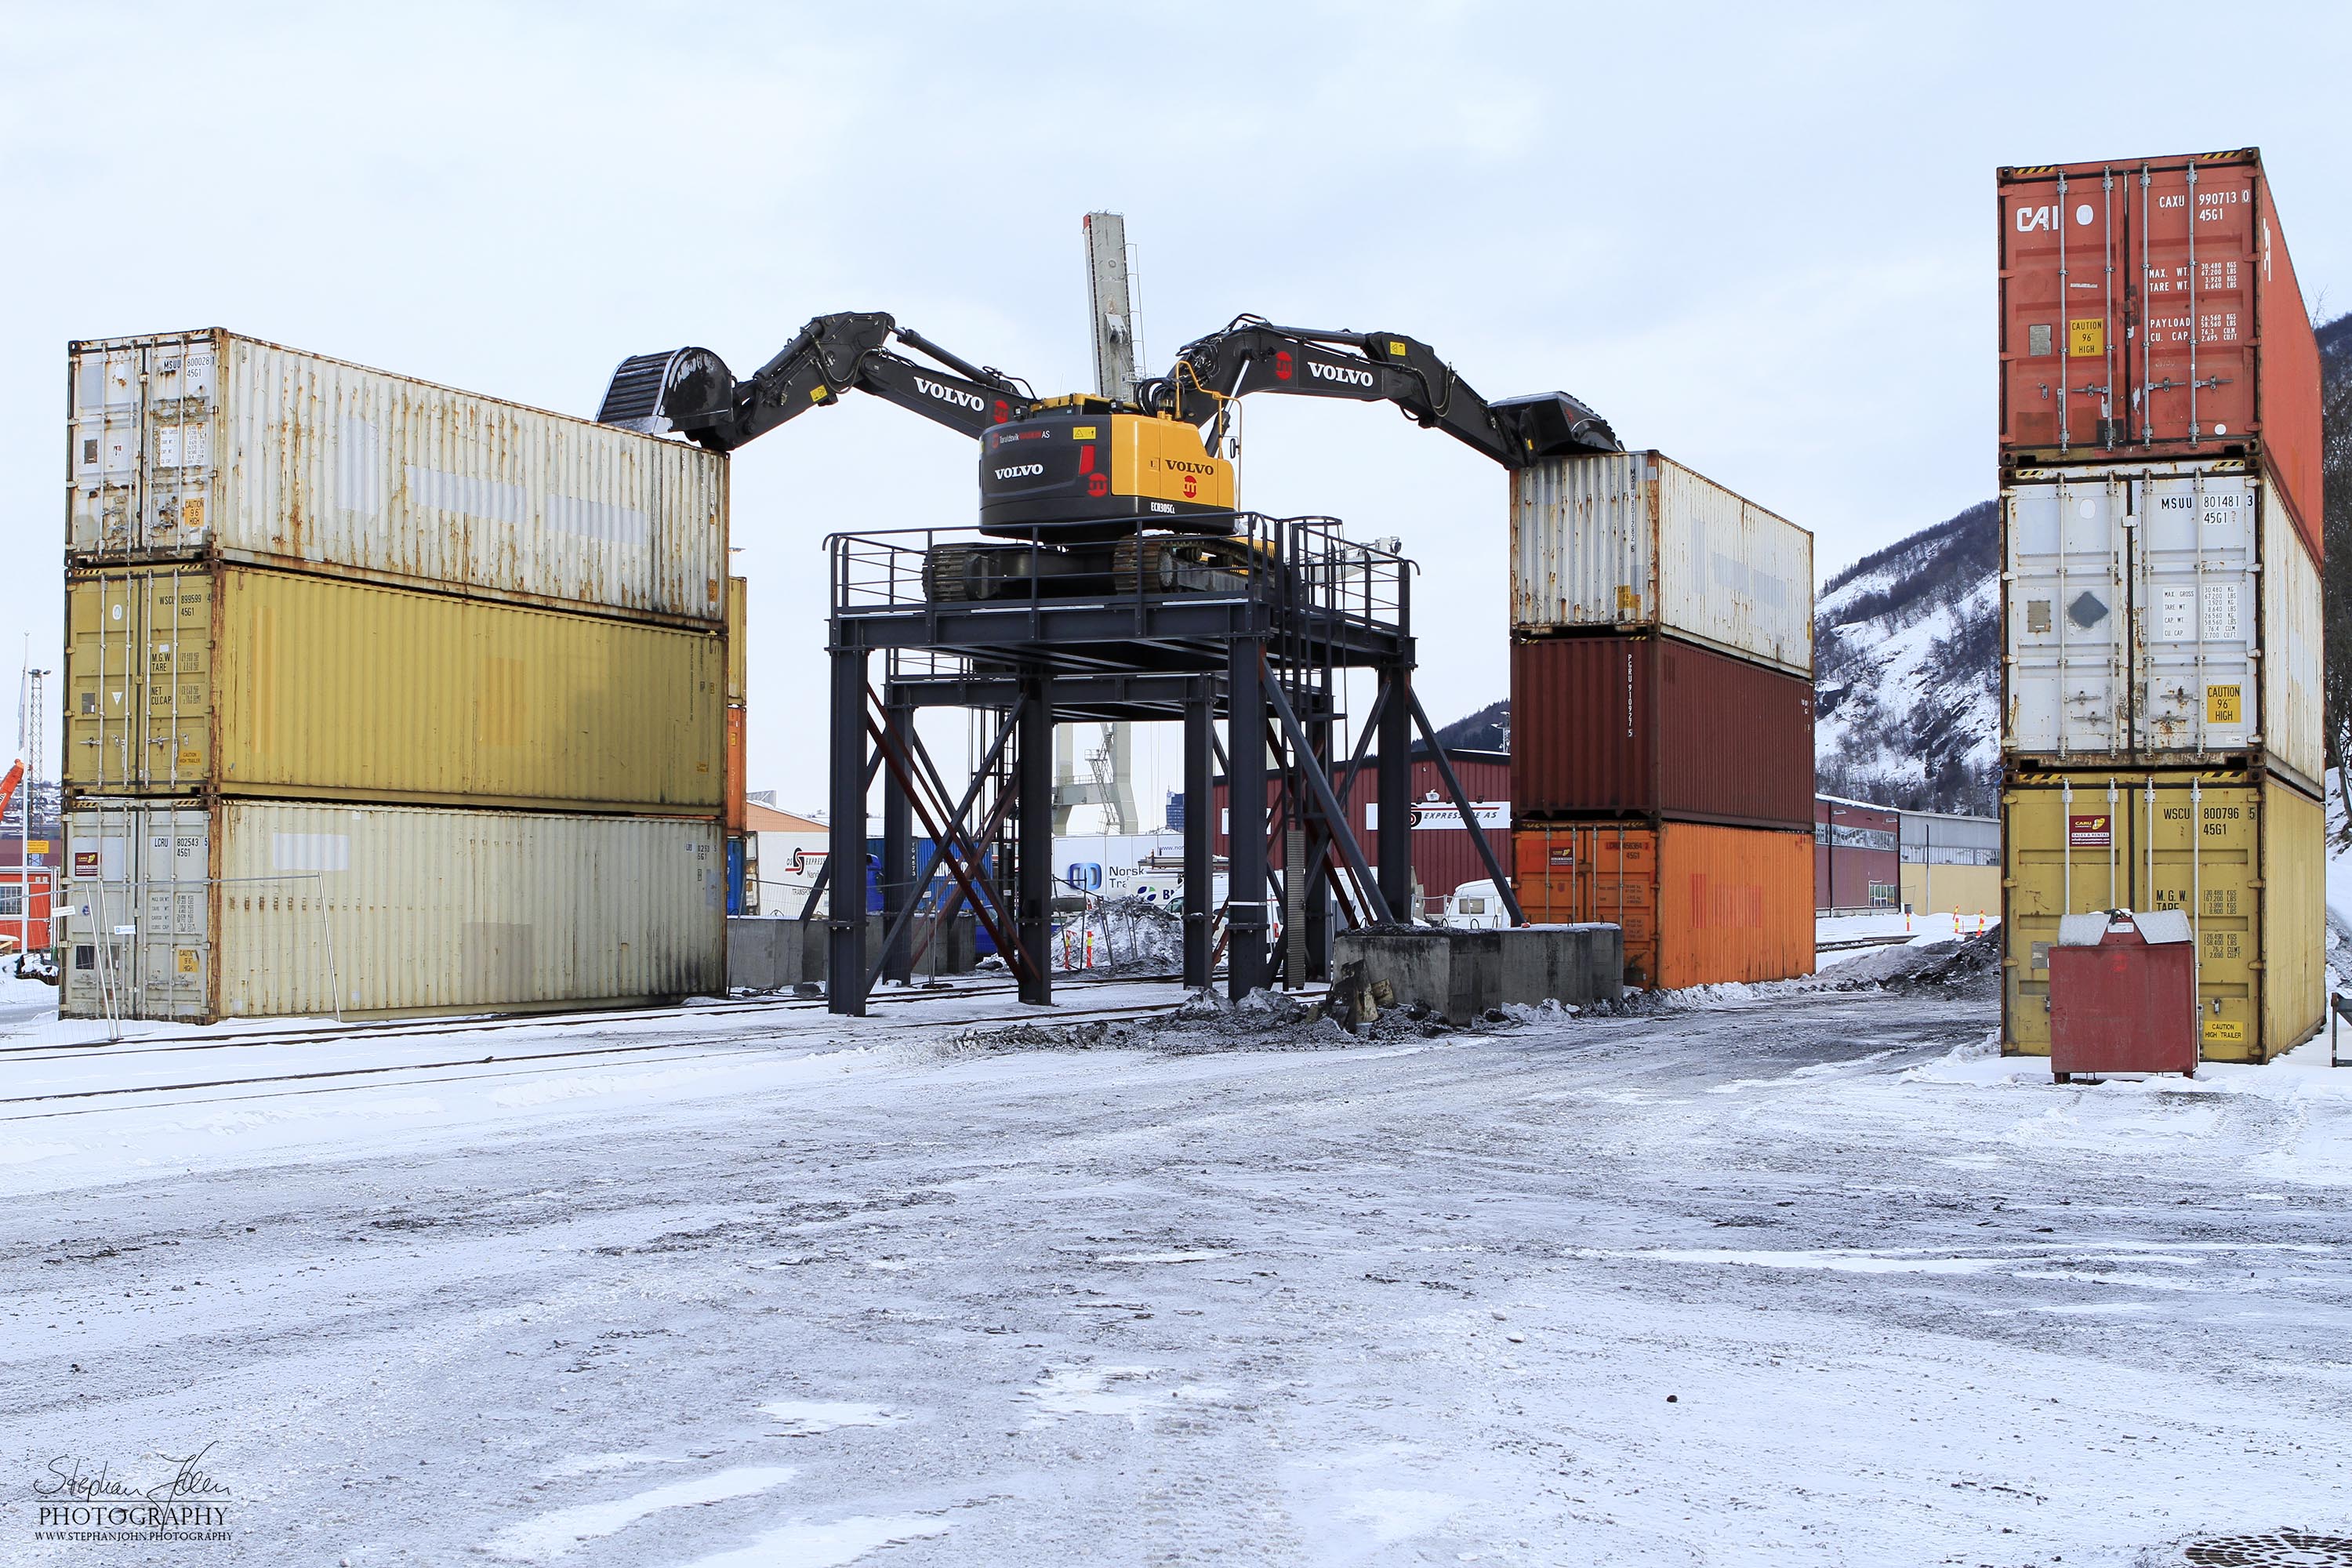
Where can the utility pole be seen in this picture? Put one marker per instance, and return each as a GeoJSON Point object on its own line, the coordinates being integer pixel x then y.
{"type": "Point", "coordinates": [1109, 780]}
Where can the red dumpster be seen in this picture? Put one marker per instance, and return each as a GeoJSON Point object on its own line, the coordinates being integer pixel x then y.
{"type": "Point", "coordinates": [2123, 994]}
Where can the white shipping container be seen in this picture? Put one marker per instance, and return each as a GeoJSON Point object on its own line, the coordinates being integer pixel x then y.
{"type": "Point", "coordinates": [1635, 542]}
{"type": "Point", "coordinates": [264, 909]}
{"type": "Point", "coordinates": [2160, 612]}
{"type": "Point", "coordinates": [206, 444]}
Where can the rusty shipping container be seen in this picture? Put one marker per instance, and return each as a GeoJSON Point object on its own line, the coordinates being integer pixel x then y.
{"type": "Point", "coordinates": [1652, 728]}
{"type": "Point", "coordinates": [2149, 309]}
{"type": "Point", "coordinates": [1633, 541]}
{"type": "Point", "coordinates": [2242, 852]}
{"type": "Point", "coordinates": [2158, 613]}
{"type": "Point", "coordinates": [1699, 904]}
{"type": "Point", "coordinates": [208, 446]}
{"type": "Point", "coordinates": [258, 908]}
{"type": "Point", "coordinates": [195, 680]}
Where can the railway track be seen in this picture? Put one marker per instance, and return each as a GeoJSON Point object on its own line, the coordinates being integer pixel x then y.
{"type": "Point", "coordinates": [332, 1034]}
{"type": "Point", "coordinates": [337, 1080]}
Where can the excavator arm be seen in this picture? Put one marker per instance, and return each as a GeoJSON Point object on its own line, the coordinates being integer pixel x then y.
{"type": "Point", "coordinates": [691, 392]}
{"type": "Point", "coordinates": [8, 782]}
{"type": "Point", "coordinates": [1251, 354]}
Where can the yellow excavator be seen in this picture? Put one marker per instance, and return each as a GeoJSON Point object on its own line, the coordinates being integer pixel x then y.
{"type": "Point", "coordinates": [1109, 490]}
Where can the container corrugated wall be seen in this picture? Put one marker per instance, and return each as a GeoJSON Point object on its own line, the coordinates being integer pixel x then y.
{"type": "Point", "coordinates": [206, 445]}
{"type": "Point", "coordinates": [1699, 905]}
{"type": "Point", "coordinates": [2164, 614]}
{"type": "Point", "coordinates": [2149, 309]}
{"type": "Point", "coordinates": [1648, 727]}
{"type": "Point", "coordinates": [258, 908]}
{"type": "Point", "coordinates": [2245, 853]}
{"type": "Point", "coordinates": [239, 681]}
{"type": "Point", "coordinates": [1634, 541]}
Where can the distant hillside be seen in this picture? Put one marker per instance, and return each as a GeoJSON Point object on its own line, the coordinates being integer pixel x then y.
{"type": "Point", "coordinates": [1907, 669]}
{"type": "Point", "coordinates": [1487, 730]}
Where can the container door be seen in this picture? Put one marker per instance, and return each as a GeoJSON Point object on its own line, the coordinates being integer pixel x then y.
{"type": "Point", "coordinates": [97, 959]}
{"type": "Point", "coordinates": [2068, 848]}
{"type": "Point", "coordinates": [2198, 850]}
{"type": "Point", "coordinates": [104, 638]}
{"type": "Point", "coordinates": [2063, 311]}
{"type": "Point", "coordinates": [2194, 646]}
{"type": "Point", "coordinates": [2194, 263]}
{"type": "Point", "coordinates": [2065, 540]}
{"type": "Point", "coordinates": [176, 673]}
{"type": "Point", "coordinates": [142, 439]}
{"type": "Point", "coordinates": [171, 909]}
{"type": "Point", "coordinates": [108, 412]}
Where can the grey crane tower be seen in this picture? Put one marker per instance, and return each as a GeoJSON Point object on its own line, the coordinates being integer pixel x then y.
{"type": "Point", "coordinates": [1109, 778]}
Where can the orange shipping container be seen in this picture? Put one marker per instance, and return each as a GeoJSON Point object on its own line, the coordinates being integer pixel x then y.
{"type": "Point", "coordinates": [1699, 905]}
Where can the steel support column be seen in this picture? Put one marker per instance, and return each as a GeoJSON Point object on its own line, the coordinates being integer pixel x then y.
{"type": "Point", "coordinates": [846, 775]}
{"type": "Point", "coordinates": [1392, 842]}
{"type": "Point", "coordinates": [1200, 837]}
{"type": "Point", "coordinates": [897, 875]}
{"type": "Point", "coordinates": [1034, 826]}
{"type": "Point", "coordinates": [1246, 953]}
{"type": "Point", "coordinates": [1318, 865]}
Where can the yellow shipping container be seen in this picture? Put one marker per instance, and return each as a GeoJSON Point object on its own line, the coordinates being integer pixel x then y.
{"type": "Point", "coordinates": [739, 655]}
{"type": "Point", "coordinates": [239, 681]}
{"type": "Point", "coordinates": [2243, 853]}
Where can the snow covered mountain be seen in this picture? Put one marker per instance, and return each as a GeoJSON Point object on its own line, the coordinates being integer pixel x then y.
{"type": "Point", "coordinates": [1907, 662]}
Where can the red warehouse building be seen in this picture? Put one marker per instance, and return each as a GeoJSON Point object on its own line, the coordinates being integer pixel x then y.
{"type": "Point", "coordinates": [1857, 855]}
{"type": "Point", "coordinates": [1444, 855]}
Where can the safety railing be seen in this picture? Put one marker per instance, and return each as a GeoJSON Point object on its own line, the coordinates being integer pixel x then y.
{"type": "Point", "coordinates": [1304, 566]}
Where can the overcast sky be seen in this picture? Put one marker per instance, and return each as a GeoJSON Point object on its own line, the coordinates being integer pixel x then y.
{"type": "Point", "coordinates": [1759, 238]}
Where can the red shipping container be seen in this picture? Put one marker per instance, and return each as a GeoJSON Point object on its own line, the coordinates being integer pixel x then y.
{"type": "Point", "coordinates": [2123, 994]}
{"type": "Point", "coordinates": [1654, 729]}
{"type": "Point", "coordinates": [2149, 309]}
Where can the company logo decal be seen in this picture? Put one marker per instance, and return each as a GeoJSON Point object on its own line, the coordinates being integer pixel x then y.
{"type": "Point", "coordinates": [1345, 375]}
{"type": "Point", "coordinates": [955, 395]}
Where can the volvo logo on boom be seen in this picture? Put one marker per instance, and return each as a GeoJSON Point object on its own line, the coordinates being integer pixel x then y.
{"type": "Point", "coordinates": [1345, 375]}
{"type": "Point", "coordinates": [957, 395]}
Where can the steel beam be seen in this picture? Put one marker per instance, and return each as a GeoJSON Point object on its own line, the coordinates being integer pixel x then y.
{"type": "Point", "coordinates": [1392, 781]}
{"type": "Point", "coordinates": [1245, 881]}
{"type": "Point", "coordinates": [845, 799]}
{"type": "Point", "coordinates": [1034, 828]}
{"type": "Point", "coordinates": [1200, 835]}
{"type": "Point", "coordinates": [896, 875]}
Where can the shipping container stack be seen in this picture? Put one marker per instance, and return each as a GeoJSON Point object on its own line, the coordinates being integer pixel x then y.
{"type": "Point", "coordinates": [381, 697]}
{"type": "Point", "coordinates": [1662, 718]}
{"type": "Point", "coordinates": [2162, 626]}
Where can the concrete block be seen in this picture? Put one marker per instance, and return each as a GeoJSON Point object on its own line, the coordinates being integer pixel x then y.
{"type": "Point", "coordinates": [769, 954]}
{"type": "Point", "coordinates": [1462, 974]}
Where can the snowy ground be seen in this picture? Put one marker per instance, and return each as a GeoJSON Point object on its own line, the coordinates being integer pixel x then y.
{"type": "Point", "coordinates": [1921, 930]}
{"type": "Point", "coordinates": [1807, 1280]}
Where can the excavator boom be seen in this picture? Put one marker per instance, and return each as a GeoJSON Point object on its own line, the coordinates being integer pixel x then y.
{"type": "Point", "coordinates": [1251, 354]}
{"type": "Point", "coordinates": [690, 392]}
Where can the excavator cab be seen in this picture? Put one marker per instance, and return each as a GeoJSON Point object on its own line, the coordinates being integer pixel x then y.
{"type": "Point", "coordinates": [1079, 471]}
